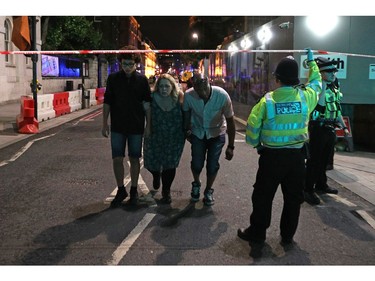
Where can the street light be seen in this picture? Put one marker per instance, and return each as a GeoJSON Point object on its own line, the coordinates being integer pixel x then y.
{"type": "Point", "coordinates": [321, 26]}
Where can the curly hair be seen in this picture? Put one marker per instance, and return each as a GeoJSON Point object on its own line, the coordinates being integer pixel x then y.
{"type": "Point", "coordinates": [136, 57]}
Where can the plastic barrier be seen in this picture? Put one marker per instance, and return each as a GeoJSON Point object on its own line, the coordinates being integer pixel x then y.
{"type": "Point", "coordinates": [45, 107]}
{"type": "Point", "coordinates": [341, 135]}
{"type": "Point", "coordinates": [75, 100]}
{"type": "Point", "coordinates": [61, 103]}
{"type": "Point", "coordinates": [93, 100]}
{"type": "Point", "coordinates": [100, 95]}
{"type": "Point", "coordinates": [26, 122]}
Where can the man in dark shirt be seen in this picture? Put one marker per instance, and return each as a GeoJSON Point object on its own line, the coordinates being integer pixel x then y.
{"type": "Point", "coordinates": [127, 102]}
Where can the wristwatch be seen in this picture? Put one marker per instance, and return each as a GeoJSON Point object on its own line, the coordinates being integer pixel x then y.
{"type": "Point", "coordinates": [231, 147]}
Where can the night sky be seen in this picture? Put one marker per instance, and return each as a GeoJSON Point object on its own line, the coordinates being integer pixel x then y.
{"type": "Point", "coordinates": [165, 32]}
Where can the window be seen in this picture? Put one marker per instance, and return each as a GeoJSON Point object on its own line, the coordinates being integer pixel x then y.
{"type": "Point", "coordinates": [53, 66]}
{"type": "Point", "coordinates": [7, 40]}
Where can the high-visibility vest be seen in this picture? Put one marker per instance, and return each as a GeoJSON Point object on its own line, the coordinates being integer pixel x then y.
{"type": "Point", "coordinates": [287, 123]}
{"type": "Point", "coordinates": [280, 118]}
{"type": "Point", "coordinates": [332, 108]}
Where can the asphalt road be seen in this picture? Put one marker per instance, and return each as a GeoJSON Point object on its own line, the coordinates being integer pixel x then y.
{"type": "Point", "coordinates": [54, 200]}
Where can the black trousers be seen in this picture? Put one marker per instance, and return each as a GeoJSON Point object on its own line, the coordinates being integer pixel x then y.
{"type": "Point", "coordinates": [285, 167]}
{"type": "Point", "coordinates": [321, 144]}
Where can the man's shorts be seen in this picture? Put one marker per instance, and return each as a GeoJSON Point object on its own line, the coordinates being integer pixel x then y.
{"type": "Point", "coordinates": [118, 145]}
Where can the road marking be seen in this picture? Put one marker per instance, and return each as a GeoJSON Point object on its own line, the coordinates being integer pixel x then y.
{"type": "Point", "coordinates": [89, 117]}
{"type": "Point", "coordinates": [141, 183]}
{"type": "Point", "coordinates": [125, 245]}
{"type": "Point", "coordinates": [239, 120]}
{"type": "Point", "coordinates": [341, 200]}
{"type": "Point", "coordinates": [367, 218]}
{"type": "Point", "coordinates": [22, 151]}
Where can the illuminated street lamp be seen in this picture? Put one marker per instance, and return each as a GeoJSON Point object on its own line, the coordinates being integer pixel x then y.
{"type": "Point", "coordinates": [246, 43]}
{"type": "Point", "coordinates": [264, 35]}
{"type": "Point", "coordinates": [321, 26]}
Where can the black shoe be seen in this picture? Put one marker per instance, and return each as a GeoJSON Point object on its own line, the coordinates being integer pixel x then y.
{"type": "Point", "coordinates": [133, 195]}
{"type": "Point", "coordinates": [166, 199]}
{"type": "Point", "coordinates": [311, 198]}
{"type": "Point", "coordinates": [287, 244]}
{"type": "Point", "coordinates": [256, 251]}
{"type": "Point", "coordinates": [243, 233]}
{"type": "Point", "coordinates": [120, 196]}
{"type": "Point", "coordinates": [286, 241]}
{"type": "Point", "coordinates": [327, 189]}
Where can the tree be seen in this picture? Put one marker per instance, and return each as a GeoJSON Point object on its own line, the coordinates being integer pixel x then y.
{"type": "Point", "coordinates": [69, 33]}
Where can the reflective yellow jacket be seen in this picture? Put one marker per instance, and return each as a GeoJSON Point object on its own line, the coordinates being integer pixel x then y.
{"type": "Point", "coordinates": [332, 109]}
{"type": "Point", "coordinates": [280, 118]}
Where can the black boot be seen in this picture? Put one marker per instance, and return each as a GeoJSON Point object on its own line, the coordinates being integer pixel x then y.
{"type": "Point", "coordinates": [120, 196]}
{"type": "Point", "coordinates": [166, 193]}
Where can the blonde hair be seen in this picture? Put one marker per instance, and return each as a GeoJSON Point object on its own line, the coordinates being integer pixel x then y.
{"type": "Point", "coordinates": [172, 81]}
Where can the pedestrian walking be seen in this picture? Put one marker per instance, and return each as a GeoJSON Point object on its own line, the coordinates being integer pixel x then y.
{"type": "Point", "coordinates": [164, 145]}
{"type": "Point", "coordinates": [208, 116]}
{"type": "Point", "coordinates": [127, 101]}
{"type": "Point", "coordinates": [278, 128]}
{"type": "Point", "coordinates": [324, 119]}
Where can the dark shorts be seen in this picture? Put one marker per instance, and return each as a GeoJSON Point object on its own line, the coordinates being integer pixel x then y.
{"type": "Point", "coordinates": [118, 145]}
{"type": "Point", "coordinates": [209, 149]}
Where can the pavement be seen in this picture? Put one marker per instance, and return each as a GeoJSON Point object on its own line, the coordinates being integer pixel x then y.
{"type": "Point", "coordinates": [353, 170]}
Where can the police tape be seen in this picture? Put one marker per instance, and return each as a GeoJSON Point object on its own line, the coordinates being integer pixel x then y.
{"type": "Point", "coordinates": [99, 52]}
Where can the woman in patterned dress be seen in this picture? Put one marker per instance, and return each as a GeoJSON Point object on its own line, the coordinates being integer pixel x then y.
{"type": "Point", "coordinates": [164, 146]}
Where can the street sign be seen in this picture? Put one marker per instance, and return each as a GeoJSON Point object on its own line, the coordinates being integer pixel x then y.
{"type": "Point", "coordinates": [341, 60]}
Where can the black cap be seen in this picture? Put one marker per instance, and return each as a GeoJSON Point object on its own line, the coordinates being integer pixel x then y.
{"type": "Point", "coordinates": [325, 64]}
{"type": "Point", "coordinates": [287, 71]}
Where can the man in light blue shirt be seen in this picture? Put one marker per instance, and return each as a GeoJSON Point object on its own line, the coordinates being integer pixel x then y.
{"type": "Point", "coordinates": [208, 116]}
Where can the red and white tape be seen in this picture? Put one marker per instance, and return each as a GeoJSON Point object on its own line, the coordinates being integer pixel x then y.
{"type": "Point", "coordinates": [98, 52]}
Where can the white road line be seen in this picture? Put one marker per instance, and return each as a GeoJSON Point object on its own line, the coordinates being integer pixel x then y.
{"type": "Point", "coordinates": [239, 120]}
{"type": "Point", "coordinates": [342, 200]}
{"type": "Point", "coordinates": [124, 247]}
{"type": "Point", "coordinates": [22, 150]}
{"type": "Point", "coordinates": [141, 183]}
{"type": "Point", "coordinates": [367, 218]}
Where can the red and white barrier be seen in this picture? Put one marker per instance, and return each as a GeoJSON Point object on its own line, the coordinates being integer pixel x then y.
{"type": "Point", "coordinates": [75, 100]}
{"type": "Point", "coordinates": [93, 100]}
{"type": "Point", "coordinates": [61, 103]}
{"type": "Point", "coordinates": [26, 122]}
{"type": "Point", "coordinates": [45, 107]}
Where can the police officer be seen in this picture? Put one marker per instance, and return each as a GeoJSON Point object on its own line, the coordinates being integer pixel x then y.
{"type": "Point", "coordinates": [278, 127]}
{"type": "Point", "coordinates": [325, 117]}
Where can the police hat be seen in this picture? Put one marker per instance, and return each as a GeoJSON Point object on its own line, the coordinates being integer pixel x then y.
{"type": "Point", "coordinates": [326, 65]}
{"type": "Point", "coordinates": [287, 71]}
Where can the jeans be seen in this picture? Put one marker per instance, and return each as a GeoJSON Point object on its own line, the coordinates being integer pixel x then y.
{"type": "Point", "coordinates": [212, 148]}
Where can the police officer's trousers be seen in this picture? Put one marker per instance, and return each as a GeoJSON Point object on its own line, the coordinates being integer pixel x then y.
{"type": "Point", "coordinates": [285, 167]}
{"type": "Point", "coordinates": [321, 143]}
